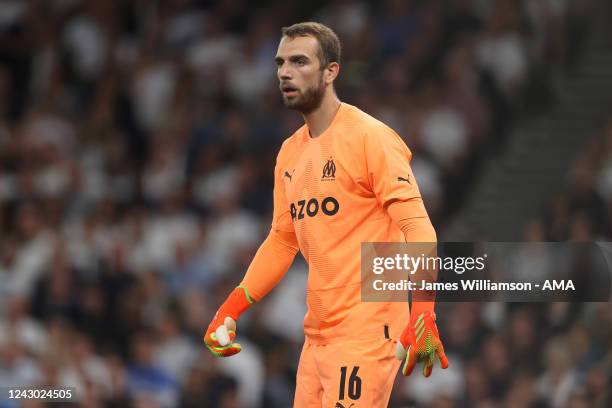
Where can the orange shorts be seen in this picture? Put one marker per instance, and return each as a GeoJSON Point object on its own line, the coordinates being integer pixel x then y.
{"type": "Point", "coordinates": [356, 373]}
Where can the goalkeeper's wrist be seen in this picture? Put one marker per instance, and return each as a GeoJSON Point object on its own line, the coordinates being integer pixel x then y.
{"type": "Point", "coordinates": [236, 303]}
{"type": "Point", "coordinates": [419, 307]}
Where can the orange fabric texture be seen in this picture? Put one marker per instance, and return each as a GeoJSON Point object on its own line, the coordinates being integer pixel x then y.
{"type": "Point", "coordinates": [415, 229]}
{"type": "Point", "coordinates": [271, 262]}
{"type": "Point", "coordinates": [360, 373]}
{"type": "Point", "coordinates": [333, 192]}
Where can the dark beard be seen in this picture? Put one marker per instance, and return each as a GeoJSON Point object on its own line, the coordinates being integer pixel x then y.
{"type": "Point", "coordinates": [308, 101]}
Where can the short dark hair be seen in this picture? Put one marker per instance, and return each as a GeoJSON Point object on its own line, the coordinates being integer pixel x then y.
{"type": "Point", "coordinates": [329, 43]}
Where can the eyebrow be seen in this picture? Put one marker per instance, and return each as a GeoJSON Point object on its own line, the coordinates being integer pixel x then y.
{"type": "Point", "coordinates": [292, 58]}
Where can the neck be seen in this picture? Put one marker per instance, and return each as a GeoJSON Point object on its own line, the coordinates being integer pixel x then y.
{"type": "Point", "coordinates": [320, 119]}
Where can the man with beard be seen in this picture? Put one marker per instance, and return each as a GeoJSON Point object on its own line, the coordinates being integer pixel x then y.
{"type": "Point", "coordinates": [341, 179]}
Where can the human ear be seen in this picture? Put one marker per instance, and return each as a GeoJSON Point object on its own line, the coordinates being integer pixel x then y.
{"type": "Point", "coordinates": [331, 72]}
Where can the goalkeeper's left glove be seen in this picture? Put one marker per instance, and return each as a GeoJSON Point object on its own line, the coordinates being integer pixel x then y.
{"type": "Point", "coordinates": [221, 332]}
{"type": "Point", "coordinates": [420, 342]}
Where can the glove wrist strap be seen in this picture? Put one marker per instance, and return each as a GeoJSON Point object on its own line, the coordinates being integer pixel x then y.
{"type": "Point", "coordinates": [236, 303]}
{"type": "Point", "coordinates": [420, 307]}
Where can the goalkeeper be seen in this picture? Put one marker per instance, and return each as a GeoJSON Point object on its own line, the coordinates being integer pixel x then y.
{"type": "Point", "coordinates": [343, 178]}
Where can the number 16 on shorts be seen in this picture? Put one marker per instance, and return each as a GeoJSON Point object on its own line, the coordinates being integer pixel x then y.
{"type": "Point", "coordinates": [351, 386]}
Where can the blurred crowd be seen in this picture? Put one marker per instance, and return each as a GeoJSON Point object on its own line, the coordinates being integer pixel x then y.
{"type": "Point", "coordinates": [583, 211]}
{"type": "Point", "coordinates": [137, 142]}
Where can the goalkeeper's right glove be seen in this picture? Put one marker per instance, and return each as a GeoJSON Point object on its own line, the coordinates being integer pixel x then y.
{"type": "Point", "coordinates": [221, 332]}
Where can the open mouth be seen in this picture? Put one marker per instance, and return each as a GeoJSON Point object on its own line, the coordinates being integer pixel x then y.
{"type": "Point", "coordinates": [289, 91]}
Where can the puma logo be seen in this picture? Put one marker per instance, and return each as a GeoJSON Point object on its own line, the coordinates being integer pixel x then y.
{"type": "Point", "coordinates": [407, 180]}
{"type": "Point", "coordinates": [288, 175]}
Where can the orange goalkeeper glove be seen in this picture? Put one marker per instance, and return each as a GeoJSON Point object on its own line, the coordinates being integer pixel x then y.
{"type": "Point", "coordinates": [420, 342]}
{"type": "Point", "coordinates": [221, 332]}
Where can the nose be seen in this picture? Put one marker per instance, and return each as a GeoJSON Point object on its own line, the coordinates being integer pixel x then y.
{"type": "Point", "coordinates": [284, 72]}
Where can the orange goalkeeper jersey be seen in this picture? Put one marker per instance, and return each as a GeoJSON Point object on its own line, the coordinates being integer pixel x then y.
{"type": "Point", "coordinates": [332, 191]}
